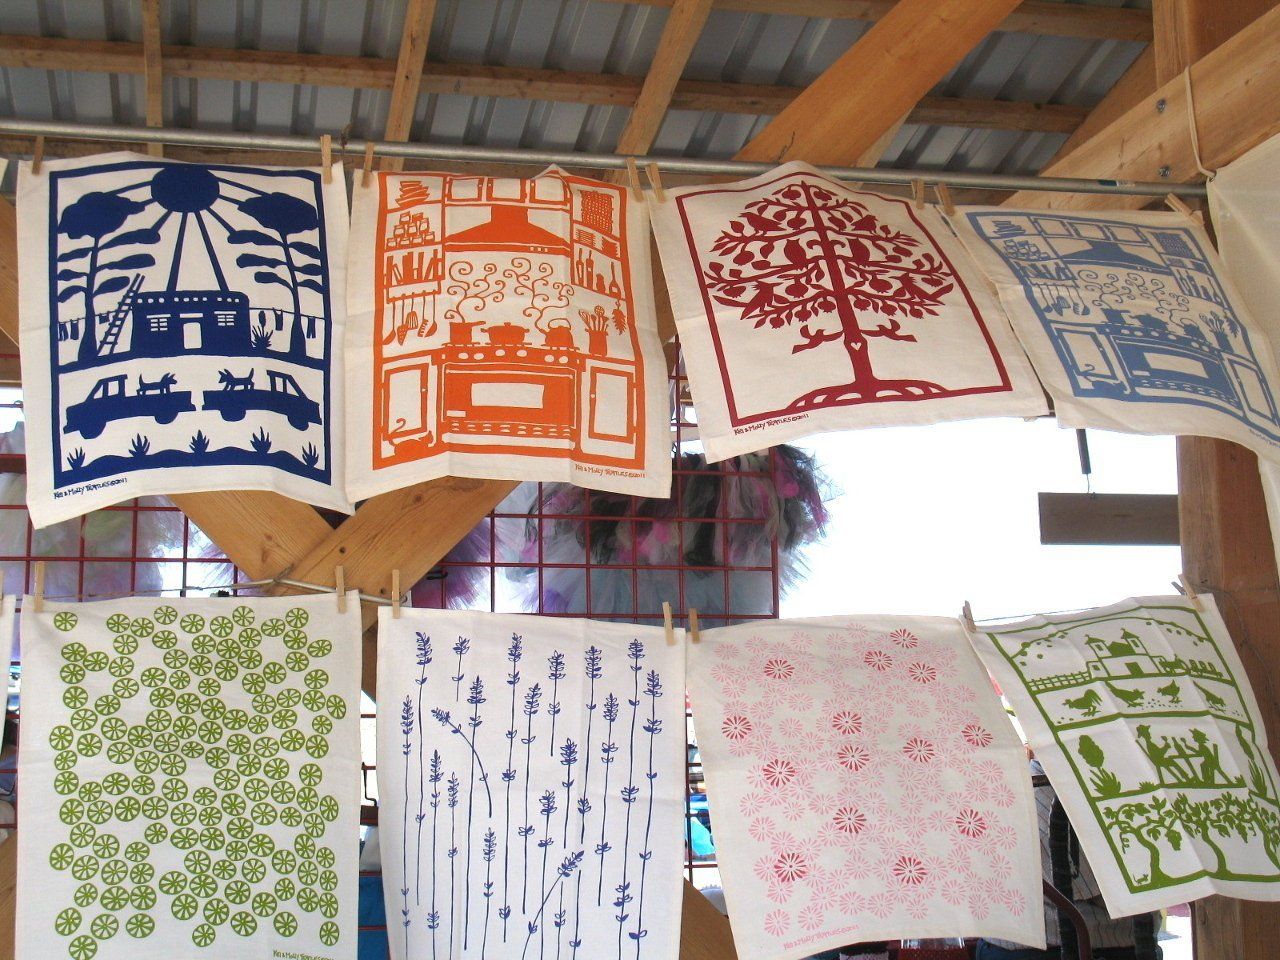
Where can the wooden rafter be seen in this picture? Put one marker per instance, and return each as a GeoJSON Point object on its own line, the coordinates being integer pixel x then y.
{"type": "Point", "coordinates": [843, 113]}
{"type": "Point", "coordinates": [152, 70]}
{"type": "Point", "coordinates": [408, 74]}
{"type": "Point", "coordinates": [679, 34]}
{"type": "Point", "coordinates": [1054, 19]}
{"type": "Point", "coordinates": [368, 73]}
{"type": "Point", "coordinates": [1234, 89]}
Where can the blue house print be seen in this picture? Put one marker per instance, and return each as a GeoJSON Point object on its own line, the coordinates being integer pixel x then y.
{"type": "Point", "coordinates": [1134, 312]}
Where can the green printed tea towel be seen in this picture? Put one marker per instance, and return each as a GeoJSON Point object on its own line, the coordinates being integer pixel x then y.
{"type": "Point", "coordinates": [190, 783]}
{"type": "Point", "coordinates": [1144, 720]}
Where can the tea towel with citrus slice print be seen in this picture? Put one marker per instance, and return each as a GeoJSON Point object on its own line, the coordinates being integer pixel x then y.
{"type": "Point", "coordinates": [1144, 720]}
{"type": "Point", "coordinates": [865, 784]}
{"type": "Point", "coordinates": [189, 779]}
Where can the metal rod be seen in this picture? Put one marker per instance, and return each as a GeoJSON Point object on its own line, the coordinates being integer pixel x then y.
{"type": "Point", "coordinates": [238, 585]}
{"type": "Point", "coordinates": [459, 153]}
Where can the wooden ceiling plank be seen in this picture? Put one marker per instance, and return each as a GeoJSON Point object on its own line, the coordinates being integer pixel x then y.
{"type": "Point", "coordinates": [679, 35]}
{"type": "Point", "coordinates": [1234, 88]}
{"type": "Point", "coordinates": [479, 80]}
{"type": "Point", "coordinates": [1087, 22]}
{"type": "Point", "coordinates": [876, 81]}
{"type": "Point", "coordinates": [153, 70]}
{"type": "Point", "coordinates": [408, 76]}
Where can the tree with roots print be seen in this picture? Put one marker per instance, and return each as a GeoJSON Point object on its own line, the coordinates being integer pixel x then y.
{"type": "Point", "coordinates": [805, 252]}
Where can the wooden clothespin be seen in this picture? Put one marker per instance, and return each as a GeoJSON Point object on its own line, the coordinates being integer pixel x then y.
{"type": "Point", "coordinates": [655, 182]}
{"type": "Point", "coordinates": [944, 198]}
{"type": "Point", "coordinates": [326, 157]}
{"type": "Point", "coordinates": [1190, 592]}
{"type": "Point", "coordinates": [38, 596]}
{"type": "Point", "coordinates": [366, 174]}
{"type": "Point", "coordinates": [966, 617]}
{"type": "Point", "coordinates": [340, 584]}
{"type": "Point", "coordinates": [395, 594]}
{"type": "Point", "coordinates": [666, 624]}
{"type": "Point", "coordinates": [1178, 205]}
{"type": "Point", "coordinates": [917, 193]}
{"type": "Point", "coordinates": [37, 157]}
{"type": "Point", "coordinates": [694, 635]}
{"type": "Point", "coordinates": [633, 178]}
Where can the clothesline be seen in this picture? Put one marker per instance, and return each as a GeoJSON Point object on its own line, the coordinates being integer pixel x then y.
{"type": "Point", "coordinates": [461, 153]}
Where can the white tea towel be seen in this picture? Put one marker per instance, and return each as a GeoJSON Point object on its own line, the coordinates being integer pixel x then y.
{"type": "Point", "coordinates": [1143, 718]}
{"type": "Point", "coordinates": [182, 331]}
{"type": "Point", "coordinates": [190, 779]}
{"type": "Point", "coordinates": [806, 306]}
{"type": "Point", "coordinates": [531, 772]}
{"type": "Point", "coordinates": [864, 785]}
{"type": "Point", "coordinates": [1130, 322]}
{"type": "Point", "coordinates": [504, 329]}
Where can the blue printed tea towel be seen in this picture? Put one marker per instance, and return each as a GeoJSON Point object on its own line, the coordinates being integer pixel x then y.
{"type": "Point", "coordinates": [181, 330]}
{"type": "Point", "coordinates": [1130, 322]}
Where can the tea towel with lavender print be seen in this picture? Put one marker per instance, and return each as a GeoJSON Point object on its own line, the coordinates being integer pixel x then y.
{"type": "Point", "coordinates": [531, 775]}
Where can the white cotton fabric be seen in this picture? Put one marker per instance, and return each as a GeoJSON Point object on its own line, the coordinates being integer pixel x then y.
{"type": "Point", "coordinates": [864, 784]}
{"type": "Point", "coordinates": [1145, 722]}
{"type": "Point", "coordinates": [1130, 322]}
{"type": "Point", "coordinates": [765, 358]}
{"type": "Point", "coordinates": [1244, 201]}
{"type": "Point", "coordinates": [504, 332]}
{"type": "Point", "coordinates": [168, 810]}
{"type": "Point", "coordinates": [473, 710]}
{"type": "Point", "coordinates": [152, 422]}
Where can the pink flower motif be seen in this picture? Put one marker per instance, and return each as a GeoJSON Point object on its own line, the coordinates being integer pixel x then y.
{"type": "Point", "coordinates": [761, 829]}
{"type": "Point", "coordinates": [777, 922]}
{"type": "Point", "coordinates": [910, 869]}
{"type": "Point", "coordinates": [847, 723]}
{"type": "Point", "coordinates": [853, 756]}
{"type": "Point", "coordinates": [825, 895]}
{"type": "Point", "coordinates": [919, 750]}
{"type": "Point", "coordinates": [778, 892]}
{"type": "Point", "coordinates": [778, 772]}
{"type": "Point", "coordinates": [792, 728]}
{"type": "Point", "coordinates": [822, 803]}
{"type": "Point", "coordinates": [877, 660]}
{"type": "Point", "coordinates": [971, 823]}
{"type": "Point", "coordinates": [852, 902]}
{"type": "Point", "coordinates": [883, 904]}
{"type": "Point", "coordinates": [1015, 901]}
{"type": "Point", "coordinates": [922, 672]}
{"type": "Point", "coordinates": [810, 918]}
{"type": "Point", "coordinates": [1002, 795]}
{"type": "Point", "coordinates": [737, 727]}
{"type": "Point", "coordinates": [905, 639]}
{"type": "Point", "coordinates": [955, 891]}
{"type": "Point", "coordinates": [790, 866]}
{"type": "Point", "coordinates": [779, 668]}
{"type": "Point", "coordinates": [976, 735]}
{"type": "Point", "coordinates": [849, 819]}
{"type": "Point", "coordinates": [798, 698]}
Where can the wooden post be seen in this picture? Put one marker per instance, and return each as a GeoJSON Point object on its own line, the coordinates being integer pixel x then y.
{"type": "Point", "coordinates": [1226, 536]}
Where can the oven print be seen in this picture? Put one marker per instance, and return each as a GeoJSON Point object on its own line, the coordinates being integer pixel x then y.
{"type": "Point", "coordinates": [506, 320]}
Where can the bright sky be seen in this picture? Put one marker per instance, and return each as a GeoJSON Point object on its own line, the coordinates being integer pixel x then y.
{"type": "Point", "coordinates": [925, 518]}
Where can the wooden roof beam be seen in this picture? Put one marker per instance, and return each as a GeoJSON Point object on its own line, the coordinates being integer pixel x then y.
{"type": "Point", "coordinates": [259, 66]}
{"type": "Point", "coordinates": [152, 70]}
{"type": "Point", "coordinates": [1234, 88]}
{"type": "Point", "coordinates": [1037, 17]}
{"type": "Point", "coordinates": [679, 34]}
{"type": "Point", "coordinates": [408, 75]}
{"type": "Point", "coordinates": [842, 114]}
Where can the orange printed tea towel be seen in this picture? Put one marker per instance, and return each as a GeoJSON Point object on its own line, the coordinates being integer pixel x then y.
{"type": "Point", "coordinates": [504, 329]}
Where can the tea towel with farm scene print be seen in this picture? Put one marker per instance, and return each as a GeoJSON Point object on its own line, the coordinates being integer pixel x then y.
{"type": "Point", "coordinates": [865, 784]}
{"type": "Point", "coordinates": [1144, 720]}
{"type": "Point", "coordinates": [190, 779]}
{"type": "Point", "coordinates": [181, 331]}
{"type": "Point", "coordinates": [532, 779]}
{"type": "Point", "coordinates": [504, 329]}
{"type": "Point", "coordinates": [806, 306]}
{"type": "Point", "coordinates": [1131, 323]}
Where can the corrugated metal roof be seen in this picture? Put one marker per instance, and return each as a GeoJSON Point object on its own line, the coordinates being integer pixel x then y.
{"type": "Point", "coordinates": [580, 35]}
